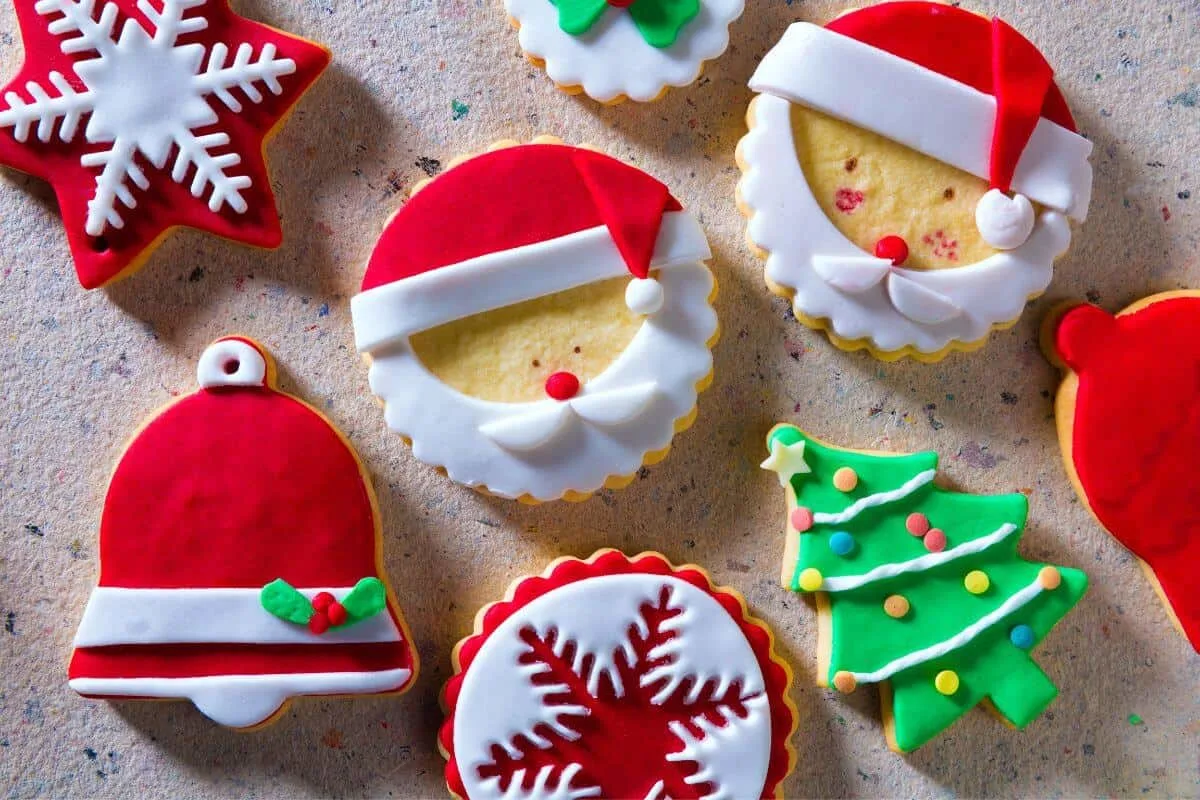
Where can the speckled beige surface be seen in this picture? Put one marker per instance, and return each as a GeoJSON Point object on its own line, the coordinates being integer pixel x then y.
{"type": "Point", "coordinates": [427, 79]}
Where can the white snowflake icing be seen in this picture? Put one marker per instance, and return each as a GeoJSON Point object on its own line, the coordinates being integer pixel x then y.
{"type": "Point", "coordinates": [148, 94]}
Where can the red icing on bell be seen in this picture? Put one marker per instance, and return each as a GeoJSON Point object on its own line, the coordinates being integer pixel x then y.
{"type": "Point", "coordinates": [562, 385]}
{"type": "Point", "coordinates": [893, 249]}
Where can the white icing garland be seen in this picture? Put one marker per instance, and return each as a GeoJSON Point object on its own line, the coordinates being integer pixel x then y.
{"type": "Point", "coordinates": [875, 500]}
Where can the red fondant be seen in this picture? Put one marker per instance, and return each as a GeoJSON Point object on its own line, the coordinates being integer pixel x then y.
{"type": "Point", "coordinates": [553, 191]}
{"type": "Point", "coordinates": [624, 743]}
{"type": "Point", "coordinates": [1136, 436]}
{"type": "Point", "coordinates": [562, 386]}
{"type": "Point", "coordinates": [892, 248]}
{"type": "Point", "coordinates": [336, 613]}
{"type": "Point", "coordinates": [322, 601]}
{"type": "Point", "coordinates": [318, 623]}
{"type": "Point", "coordinates": [165, 204]}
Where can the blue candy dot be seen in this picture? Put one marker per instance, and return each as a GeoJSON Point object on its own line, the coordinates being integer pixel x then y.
{"type": "Point", "coordinates": [841, 543]}
{"type": "Point", "coordinates": [1022, 636]}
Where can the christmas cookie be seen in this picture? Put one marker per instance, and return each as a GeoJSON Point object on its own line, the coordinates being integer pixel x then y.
{"type": "Point", "coordinates": [145, 115]}
{"type": "Point", "coordinates": [1128, 422]}
{"type": "Point", "coordinates": [614, 50]}
{"type": "Point", "coordinates": [617, 677]}
{"type": "Point", "coordinates": [538, 321]}
{"type": "Point", "coordinates": [919, 589]}
{"type": "Point", "coordinates": [909, 175]}
{"type": "Point", "coordinates": [240, 560]}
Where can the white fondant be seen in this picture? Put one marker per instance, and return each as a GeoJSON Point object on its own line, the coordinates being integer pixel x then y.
{"type": "Point", "coordinates": [990, 292]}
{"type": "Point", "coordinates": [145, 93]}
{"type": "Point", "coordinates": [529, 431]}
{"type": "Point", "coordinates": [1004, 222]}
{"type": "Point", "coordinates": [612, 59]}
{"type": "Point", "coordinates": [918, 302]}
{"type": "Point", "coordinates": [1017, 601]}
{"type": "Point", "coordinates": [786, 460]}
{"type": "Point", "coordinates": [852, 274]}
{"type": "Point", "coordinates": [846, 583]}
{"type": "Point", "coordinates": [670, 350]}
{"type": "Point", "coordinates": [860, 505]}
{"type": "Point", "coordinates": [194, 616]}
{"type": "Point", "coordinates": [231, 362]}
{"type": "Point", "coordinates": [498, 702]}
{"type": "Point", "coordinates": [399, 309]}
{"type": "Point", "coordinates": [241, 701]}
{"type": "Point", "coordinates": [919, 108]}
{"type": "Point", "coordinates": [541, 789]}
{"type": "Point", "coordinates": [544, 421]}
{"type": "Point", "coordinates": [722, 749]}
{"type": "Point", "coordinates": [644, 296]}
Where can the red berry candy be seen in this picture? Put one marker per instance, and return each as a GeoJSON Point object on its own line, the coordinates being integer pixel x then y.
{"type": "Point", "coordinates": [323, 601]}
{"type": "Point", "coordinates": [562, 386]}
{"type": "Point", "coordinates": [318, 623]}
{"type": "Point", "coordinates": [336, 613]}
{"type": "Point", "coordinates": [892, 248]}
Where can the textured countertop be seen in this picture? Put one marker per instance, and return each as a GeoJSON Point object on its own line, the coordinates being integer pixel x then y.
{"type": "Point", "coordinates": [416, 82]}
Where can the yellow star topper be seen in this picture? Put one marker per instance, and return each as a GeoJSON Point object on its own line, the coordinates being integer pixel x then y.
{"type": "Point", "coordinates": [787, 460]}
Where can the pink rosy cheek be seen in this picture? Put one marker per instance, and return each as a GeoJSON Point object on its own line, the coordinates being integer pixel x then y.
{"type": "Point", "coordinates": [848, 200]}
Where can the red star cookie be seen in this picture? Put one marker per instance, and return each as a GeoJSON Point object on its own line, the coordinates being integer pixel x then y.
{"type": "Point", "coordinates": [148, 114]}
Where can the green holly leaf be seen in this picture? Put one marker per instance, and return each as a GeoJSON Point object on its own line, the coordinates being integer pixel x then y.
{"type": "Point", "coordinates": [279, 598]}
{"type": "Point", "coordinates": [366, 599]}
{"type": "Point", "coordinates": [576, 17]}
{"type": "Point", "coordinates": [659, 21]}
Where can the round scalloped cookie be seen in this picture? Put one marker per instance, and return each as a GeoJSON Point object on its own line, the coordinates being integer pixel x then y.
{"type": "Point", "coordinates": [544, 342]}
{"type": "Point", "coordinates": [614, 50]}
{"type": "Point", "coordinates": [666, 687]}
{"type": "Point", "coordinates": [885, 223]}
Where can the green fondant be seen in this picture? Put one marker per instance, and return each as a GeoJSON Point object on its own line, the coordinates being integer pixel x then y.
{"type": "Point", "coordinates": [366, 599]}
{"type": "Point", "coordinates": [865, 639]}
{"type": "Point", "coordinates": [576, 17]}
{"type": "Point", "coordinates": [658, 21]}
{"type": "Point", "coordinates": [279, 598]}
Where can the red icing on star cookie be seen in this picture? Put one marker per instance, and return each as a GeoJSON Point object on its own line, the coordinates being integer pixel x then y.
{"type": "Point", "coordinates": [144, 116]}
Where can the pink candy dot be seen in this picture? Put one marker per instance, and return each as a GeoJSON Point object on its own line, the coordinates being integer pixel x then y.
{"type": "Point", "coordinates": [917, 523]}
{"type": "Point", "coordinates": [935, 540]}
{"type": "Point", "coordinates": [802, 519]}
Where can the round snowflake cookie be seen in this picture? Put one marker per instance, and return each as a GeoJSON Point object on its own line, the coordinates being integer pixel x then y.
{"type": "Point", "coordinates": [538, 321]}
{"type": "Point", "coordinates": [146, 115]}
{"type": "Point", "coordinates": [614, 50]}
{"type": "Point", "coordinates": [617, 677]}
{"type": "Point", "coordinates": [910, 196]}
{"type": "Point", "coordinates": [239, 558]}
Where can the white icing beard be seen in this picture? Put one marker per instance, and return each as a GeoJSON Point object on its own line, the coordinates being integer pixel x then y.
{"type": "Point", "coordinates": [612, 58]}
{"type": "Point", "coordinates": [547, 448]}
{"type": "Point", "coordinates": [806, 248]}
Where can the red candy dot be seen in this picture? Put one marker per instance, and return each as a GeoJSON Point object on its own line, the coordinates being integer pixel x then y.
{"type": "Point", "coordinates": [935, 541]}
{"type": "Point", "coordinates": [323, 601]}
{"type": "Point", "coordinates": [562, 386]}
{"type": "Point", "coordinates": [892, 248]}
{"type": "Point", "coordinates": [318, 623]}
{"type": "Point", "coordinates": [336, 614]}
{"type": "Point", "coordinates": [802, 519]}
{"type": "Point", "coordinates": [620, 3]}
{"type": "Point", "coordinates": [917, 524]}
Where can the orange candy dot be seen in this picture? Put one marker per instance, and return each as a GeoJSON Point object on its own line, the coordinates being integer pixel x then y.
{"type": "Point", "coordinates": [844, 682]}
{"type": "Point", "coordinates": [1050, 578]}
{"type": "Point", "coordinates": [845, 480]}
{"type": "Point", "coordinates": [896, 606]}
{"type": "Point", "coordinates": [917, 524]}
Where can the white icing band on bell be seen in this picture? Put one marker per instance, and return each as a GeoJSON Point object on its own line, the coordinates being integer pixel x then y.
{"type": "Point", "coordinates": [397, 310]}
{"type": "Point", "coordinates": [919, 108]}
{"type": "Point", "coordinates": [231, 362]}
{"type": "Point", "coordinates": [1005, 222]}
{"type": "Point", "coordinates": [644, 296]}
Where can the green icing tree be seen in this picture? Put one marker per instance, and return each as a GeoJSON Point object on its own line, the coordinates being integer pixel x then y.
{"type": "Point", "coordinates": [921, 589]}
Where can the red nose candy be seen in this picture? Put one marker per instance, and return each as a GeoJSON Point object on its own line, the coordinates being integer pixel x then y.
{"type": "Point", "coordinates": [892, 248]}
{"type": "Point", "coordinates": [562, 386]}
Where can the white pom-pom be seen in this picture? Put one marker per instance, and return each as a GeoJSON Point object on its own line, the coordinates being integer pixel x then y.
{"type": "Point", "coordinates": [644, 296]}
{"type": "Point", "coordinates": [1004, 222]}
{"type": "Point", "coordinates": [231, 362]}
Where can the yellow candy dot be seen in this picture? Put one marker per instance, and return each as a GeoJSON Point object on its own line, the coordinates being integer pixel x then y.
{"type": "Point", "coordinates": [896, 606]}
{"type": "Point", "coordinates": [811, 579]}
{"type": "Point", "coordinates": [844, 682]}
{"type": "Point", "coordinates": [946, 682]}
{"type": "Point", "coordinates": [845, 480]}
{"type": "Point", "coordinates": [977, 581]}
{"type": "Point", "coordinates": [1050, 578]}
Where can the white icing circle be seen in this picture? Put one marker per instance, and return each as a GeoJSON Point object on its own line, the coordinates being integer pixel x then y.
{"type": "Point", "coordinates": [644, 296]}
{"type": "Point", "coordinates": [231, 362]}
{"type": "Point", "coordinates": [1005, 222]}
{"type": "Point", "coordinates": [497, 701]}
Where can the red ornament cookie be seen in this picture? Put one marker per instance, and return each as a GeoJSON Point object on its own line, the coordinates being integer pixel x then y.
{"type": "Point", "coordinates": [145, 115]}
{"type": "Point", "coordinates": [617, 677]}
{"type": "Point", "coordinates": [240, 558]}
{"type": "Point", "coordinates": [1128, 422]}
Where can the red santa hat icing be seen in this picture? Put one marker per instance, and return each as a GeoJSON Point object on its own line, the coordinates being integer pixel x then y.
{"type": "Point", "coordinates": [515, 224]}
{"type": "Point", "coordinates": [226, 492]}
{"type": "Point", "coordinates": [969, 91]}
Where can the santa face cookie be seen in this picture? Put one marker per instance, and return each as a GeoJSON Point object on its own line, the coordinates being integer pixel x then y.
{"type": "Point", "coordinates": [240, 558]}
{"type": "Point", "coordinates": [662, 687]}
{"type": "Point", "coordinates": [882, 210]}
{"type": "Point", "coordinates": [538, 321]}
{"type": "Point", "coordinates": [612, 50]}
{"type": "Point", "coordinates": [1128, 422]}
{"type": "Point", "coordinates": [919, 589]}
{"type": "Point", "coordinates": [145, 115]}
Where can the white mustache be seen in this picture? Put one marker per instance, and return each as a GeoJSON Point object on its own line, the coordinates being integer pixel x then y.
{"type": "Point", "coordinates": [857, 274]}
{"type": "Point", "coordinates": [604, 409]}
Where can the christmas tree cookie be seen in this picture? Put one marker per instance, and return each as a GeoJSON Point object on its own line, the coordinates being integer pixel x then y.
{"type": "Point", "coordinates": [909, 196]}
{"type": "Point", "coordinates": [1128, 422]}
{"type": "Point", "coordinates": [538, 321]}
{"type": "Point", "coordinates": [240, 561]}
{"type": "Point", "coordinates": [919, 589]}
{"type": "Point", "coordinates": [613, 50]}
{"type": "Point", "coordinates": [617, 677]}
{"type": "Point", "coordinates": [146, 115]}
